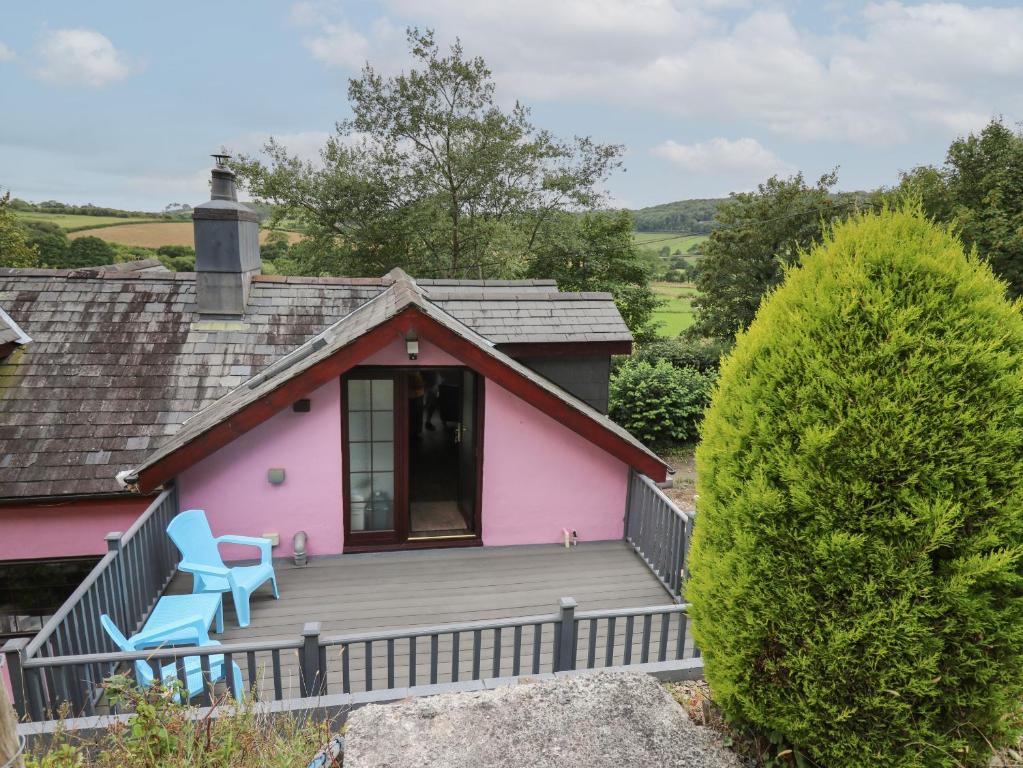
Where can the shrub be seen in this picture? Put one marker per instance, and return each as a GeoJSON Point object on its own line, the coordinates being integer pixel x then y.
{"type": "Point", "coordinates": [659, 404]}
{"type": "Point", "coordinates": [88, 251]}
{"type": "Point", "coordinates": [857, 578]}
{"type": "Point", "coordinates": [163, 734]}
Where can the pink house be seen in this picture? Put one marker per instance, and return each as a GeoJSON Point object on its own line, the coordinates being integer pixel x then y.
{"type": "Point", "coordinates": [368, 414]}
{"type": "Point", "coordinates": [421, 455]}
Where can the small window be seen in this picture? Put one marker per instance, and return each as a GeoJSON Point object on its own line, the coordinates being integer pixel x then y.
{"type": "Point", "coordinates": [32, 590]}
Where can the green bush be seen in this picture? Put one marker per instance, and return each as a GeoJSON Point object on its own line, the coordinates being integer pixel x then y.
{"type": "Point", "coordinates": [88, 251]}
{"type": "Point", "coordinates": [857, 566]}
{"type": "Point", "coordinates": [163, 734]}
{"type": "Point", "coordinates": [660, 404]}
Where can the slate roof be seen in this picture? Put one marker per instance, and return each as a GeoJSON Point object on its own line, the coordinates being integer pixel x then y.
{"type": "Point", "coordinates": [402, 293]}
{"type": "Point", "coordinates": [119, 358]}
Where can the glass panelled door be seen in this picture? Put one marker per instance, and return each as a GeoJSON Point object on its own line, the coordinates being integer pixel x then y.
{"type": "Point", "coordinates": [371, 455]}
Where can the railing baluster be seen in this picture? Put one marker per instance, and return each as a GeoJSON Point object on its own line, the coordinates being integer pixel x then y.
{"type": "Point", "coordinates": [346, 678]}
{"type": "Point", "coordinates": [609, 644]}
{"type": "Point", "coordinates": [412, 661]}
{"type": "Point", "coordinates": [662, 644]}
{"type": "Point", "coordinates": [434, 654]}
{"type": "Point", "coordinates": [645, 653]}
{"type": "Point", "coordinates": [680, 640]}
{"type": "Point", "coordinates": [516, 649]}
{"type": "Point", "coordinates": [275, 661]}
{"type": "Point", "coordinates": [253, 683]}
{"type": "Point", "coordinates": [454, 657]}
{"type": "Point", "coordinates": [591, 646]}
{"type": "Point", "coordinates": [390, 662]}
{"type": "Point", "coordinates": [368, 676]}
{"type": "Point", "coordinates": [228, 669]}
{"type": "Point", "coordinates": [181, 673]}
{"type": "Point", "coordinates": [627, 653]}
{"type": "Point", "coordinates": [537, 635]}
{"type": "Point", "coordinates": [497, 652]}
{"type": "Point", "coordinates": [206, 695]}
{"type": "Point", "coordinates": [477, 642]}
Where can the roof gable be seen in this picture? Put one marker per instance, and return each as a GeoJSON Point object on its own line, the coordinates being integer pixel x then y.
{"type": "Point", "coordinates": [401, 308]}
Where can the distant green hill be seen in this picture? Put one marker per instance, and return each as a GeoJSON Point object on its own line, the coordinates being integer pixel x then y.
{"type": "Point", "coordinates": [692, 217]}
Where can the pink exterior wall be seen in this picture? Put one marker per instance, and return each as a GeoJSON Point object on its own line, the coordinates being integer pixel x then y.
{"type": "Point", "coordinates": [33, 531]}
{"type": "Point", "coordinates": [395, 354]}
{"type": "Point", "coordinates": [540, 477]}
{"type": "Point", "coordinates": [231, 485]}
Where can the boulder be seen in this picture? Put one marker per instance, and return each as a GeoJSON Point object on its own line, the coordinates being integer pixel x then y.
{"type": "Point", "coordinates": [596, 720]}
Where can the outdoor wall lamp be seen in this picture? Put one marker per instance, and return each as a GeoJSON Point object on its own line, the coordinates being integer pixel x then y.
{"type": "Point", "coordinates": [412, 345]}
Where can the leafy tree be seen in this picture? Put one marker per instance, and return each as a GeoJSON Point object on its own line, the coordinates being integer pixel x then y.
{"type": "Point", "coordinates": [15, 249]}
{"type": "Point", "coordinates": [757, 235]}
{"type": "Point", "coordinates": [49, 239]}
{"type": "Point", "coordinates": [856, 587]}
{"type": "Point", "coordinates": [980, 190]}
{"type": "Point", "coordinates": [88, 251]}
{"type": "Point", "coordinates": [660, 404]}
{"type": "Point", "coordinates": [596, 252]}
{"type": "Point", "coordinates": [275, 247]}
{"type": "Point", "coordinates": [430, 174]}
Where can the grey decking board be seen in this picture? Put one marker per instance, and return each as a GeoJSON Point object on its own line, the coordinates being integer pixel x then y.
{"type": "Point", "coordinates": [575, 571]}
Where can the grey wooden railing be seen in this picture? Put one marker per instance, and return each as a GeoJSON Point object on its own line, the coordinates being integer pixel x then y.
{"type": "Point", "coordinates": [125, 584]}
{"type": "Point", "coordinates": [313, 664]}
{"type": "Point", "coordinates": [659, 531]}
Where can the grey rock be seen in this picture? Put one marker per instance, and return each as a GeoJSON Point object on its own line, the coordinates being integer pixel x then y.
{"type": "Point", "coordinates": [602, 720]}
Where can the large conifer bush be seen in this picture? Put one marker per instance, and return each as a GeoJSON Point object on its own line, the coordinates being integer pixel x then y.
{"type": "Point", "coordinates": [857, 578]}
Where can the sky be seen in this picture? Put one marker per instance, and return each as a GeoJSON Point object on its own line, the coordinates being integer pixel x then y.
{"type": "Point", "coordinates": [120, 103]}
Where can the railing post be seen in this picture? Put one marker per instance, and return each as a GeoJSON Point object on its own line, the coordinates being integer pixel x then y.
{"type": "Point", "coordinates": [566, 649]}
{"type": "Point", "coordinates": [312, 676]}
{"type": "Point", "coordinates": [115, 545]}
{"type": "Point", "coordinates": [14, 653]}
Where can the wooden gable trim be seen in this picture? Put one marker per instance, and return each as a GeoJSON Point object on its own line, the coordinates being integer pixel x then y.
{"type": "Point", "coordinates": [372, 341]}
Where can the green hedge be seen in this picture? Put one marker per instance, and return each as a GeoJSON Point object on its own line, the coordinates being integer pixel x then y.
{"type": "Point", "coordinates": [660, 404]}
{"type": "Point", "coordinates": [856, 586]}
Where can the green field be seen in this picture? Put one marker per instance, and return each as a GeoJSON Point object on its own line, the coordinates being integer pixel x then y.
{"type": "Point", "coordinates": [676, 314]}
{"type": "Point", "coordinates": [70, 222]}
{"type": "Point", "coordinates": [658, 240]}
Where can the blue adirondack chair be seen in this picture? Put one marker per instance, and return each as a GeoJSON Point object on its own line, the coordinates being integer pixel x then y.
{"type": "Point", "coordinates": [190, 531]}
{"type": "Point", "coordinates": [196, 627]}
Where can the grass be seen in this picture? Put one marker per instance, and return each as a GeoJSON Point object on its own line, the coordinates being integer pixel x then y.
{"type": "Point", "coordinates": [658, 240]}
{"type": "Point", "coordinates": [676, 314]}
{"type": "Point", "coordinates": [155, 234]}
{"type": "Point", "coordinates": [71, 222]}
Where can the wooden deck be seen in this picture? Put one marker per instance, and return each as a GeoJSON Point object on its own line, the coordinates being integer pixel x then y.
{"type": "Point", "coordinates": [365, 592]}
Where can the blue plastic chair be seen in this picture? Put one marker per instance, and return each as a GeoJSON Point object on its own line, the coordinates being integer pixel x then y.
{"type": "Point", "coordinates": [190, 531]}
{"type": "Point", "coordinates": [194, 627]}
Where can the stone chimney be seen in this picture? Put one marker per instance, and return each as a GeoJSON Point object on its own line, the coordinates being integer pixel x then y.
{"type": "Point", "coordinates": [226, 247]}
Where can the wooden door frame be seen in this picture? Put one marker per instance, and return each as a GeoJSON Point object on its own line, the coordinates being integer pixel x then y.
{"type": "Point", "coordinates": [398, 538]}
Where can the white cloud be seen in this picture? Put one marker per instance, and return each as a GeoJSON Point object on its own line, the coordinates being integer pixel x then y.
{"type": "Point", "coordinates": [726, 156]}
{"type": "Point", "coordinates": [6, 53]}
{"type": "Point", "coordinates": [305, 145]}
{"type": "Point", "coordinates": [80, 57]}
{"type": "Point", "coordinates": [892, 72]}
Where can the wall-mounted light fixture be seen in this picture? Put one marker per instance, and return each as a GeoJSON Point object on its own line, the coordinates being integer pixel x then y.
{"type": "Point", "coordinates": [412, 345]}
